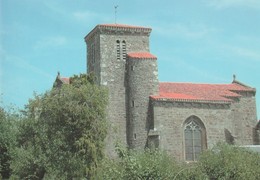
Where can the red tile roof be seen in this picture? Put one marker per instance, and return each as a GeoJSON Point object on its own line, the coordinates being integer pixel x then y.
{"type": "Point", "coordinates": [141, 55]}
{"type": "Point", "coordinates": [201, 92]}
{"type": "Point", "coordinates": [65, 80]}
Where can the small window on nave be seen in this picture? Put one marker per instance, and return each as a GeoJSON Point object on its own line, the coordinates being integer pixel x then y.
{"type": "Point", "coordinates": [195, 138]}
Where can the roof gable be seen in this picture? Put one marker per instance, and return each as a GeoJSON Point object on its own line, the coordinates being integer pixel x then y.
{"type": "Point", "coordinates": [65, 80]}
{"type": "Point", "coordinates": [59, 81]}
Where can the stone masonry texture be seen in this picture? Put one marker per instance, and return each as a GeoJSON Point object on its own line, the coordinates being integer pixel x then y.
{"type": "Point", "coordinates": [134, 117]}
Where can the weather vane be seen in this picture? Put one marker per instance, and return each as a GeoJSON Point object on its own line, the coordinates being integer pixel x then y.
{"type": "Point", "coordinates": [115, 12]}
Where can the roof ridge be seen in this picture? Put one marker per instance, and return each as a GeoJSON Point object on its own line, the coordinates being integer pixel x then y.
{"type": "Point", "coordinates": [240, 83]}
{"type": "Point", "coordinates": [123, 26]}
{"type": "Point", "coordinates": [197, 83]}
{"type": "Point", "coordinates": [158, 98]}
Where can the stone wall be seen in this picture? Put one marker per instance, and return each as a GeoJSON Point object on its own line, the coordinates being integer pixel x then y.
{"type": "Point", "coordinates": [142, 82]}
{"type": "Point", "coordinates": [244, 118]}
{"type": "Point", "coordinates": [103, 61]}
{"type": "Point", "coordinates": [232, 123]}
{"type": "Point", "coordinates": [169, 120]}
{"type": "Point", "coordinates": [257, 134]}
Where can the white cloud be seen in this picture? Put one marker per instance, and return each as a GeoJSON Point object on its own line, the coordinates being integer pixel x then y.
{"type": "Point", "coordinates": [196, 69]}
{"type": "Point", "coordinates": [87, 16]}
{"type": "Point", "coordinates": [83, 16]}
{"type": "Point", "coordinates": [195, 31]}
{"type": "Point", "coordinates": [54, 6]}
{"type": "Point", "coordinates": [55, 41]}
{"type": "Point", "coordinates": [21, 63]}
{"type": "Point", "coordinates": [62, 11]}
{"type": "Point", "coordinates": [247, 39]}
{"type": "Point", "coordinates": [248, 53]}
{"type": "Point", "coordinates": [221, 4]}
{"type": "Point", "coordinates": [201, 72]}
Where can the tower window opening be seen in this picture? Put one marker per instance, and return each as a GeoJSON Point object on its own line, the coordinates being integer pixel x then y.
{"type": "Point", "coordinates": [118, 50]}
{"type": "Point", "coordinates": [93, 52]}
{"type": "Point", "coordinates": [133, 103]}
{"type": "Point", "coordinates": [124, 50]}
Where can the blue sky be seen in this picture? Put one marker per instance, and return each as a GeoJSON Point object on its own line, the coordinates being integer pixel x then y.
{"type": "Point", "coordinates": [201, 41]}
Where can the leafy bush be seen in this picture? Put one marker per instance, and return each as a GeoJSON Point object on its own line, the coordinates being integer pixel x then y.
{"type": "Point", "coordinates": [148, 164]}
{"type": "Point", "coordinates": [221, 162]}
{"type": "Point", "coordinates": [8, 120]}
{"type": "Point", "coordinates": [230, 162]}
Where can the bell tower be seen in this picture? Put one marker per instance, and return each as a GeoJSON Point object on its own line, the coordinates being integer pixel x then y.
{"type": "Point", "coordinates": [107, 49]}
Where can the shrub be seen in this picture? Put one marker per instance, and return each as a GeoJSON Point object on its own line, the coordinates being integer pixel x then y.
{"type": "Point", "coordinates": [230, 162]}
{"type": "Point", "coordinates": [221, 162]}
{"type": "Point", "coordinates": [148, 164]}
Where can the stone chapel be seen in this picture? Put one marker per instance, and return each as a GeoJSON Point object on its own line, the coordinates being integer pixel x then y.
{"type": "Point", "coordinates": [182, 119]}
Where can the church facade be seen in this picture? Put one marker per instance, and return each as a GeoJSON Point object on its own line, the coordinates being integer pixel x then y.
{"type": "Point", "coordinates": [181, 118]}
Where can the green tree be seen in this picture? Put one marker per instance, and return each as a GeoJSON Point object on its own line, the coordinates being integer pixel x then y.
{"type": "Point", "coordinates": [8, 132]}
{"type": "Point", "coordinates": [63, 132]}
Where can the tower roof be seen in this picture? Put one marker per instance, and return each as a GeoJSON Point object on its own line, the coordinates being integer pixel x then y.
{"type": "Point", "coordinates": [116, 28]}
{"type": "Point", "coordinates": [215, 93]}
{"type": "Point", "coordinates": [141, 55]}
{"type": "Point", "coordinates": [122, 26]}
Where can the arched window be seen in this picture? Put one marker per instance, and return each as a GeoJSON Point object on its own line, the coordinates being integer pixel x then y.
{"type": "Point", "coordinates": [195, 138]}
{"type": "Point", "coordinates": [120, 50]}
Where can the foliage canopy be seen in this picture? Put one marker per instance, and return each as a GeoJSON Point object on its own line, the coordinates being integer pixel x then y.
{"type": "Point", "coordinates": [8, 131]}
{"type": "Point", "coordinates": [63, 132]}
{"type": "Point", "coordinates": [221, 162]}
